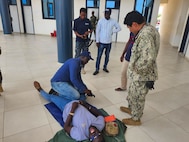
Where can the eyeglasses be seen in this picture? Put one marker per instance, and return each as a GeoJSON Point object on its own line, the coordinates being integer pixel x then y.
{"type": "Point", "coordinates": [94, 136]}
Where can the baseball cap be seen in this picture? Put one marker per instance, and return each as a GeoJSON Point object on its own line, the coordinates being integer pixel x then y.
{"type": "Point", "coordinates": [108, 10]}
{"type": "Point", "coordinates": [87, 54]}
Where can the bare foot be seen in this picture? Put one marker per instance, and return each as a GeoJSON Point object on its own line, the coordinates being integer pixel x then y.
{"type": "Point", "coordinates": [37, 86]}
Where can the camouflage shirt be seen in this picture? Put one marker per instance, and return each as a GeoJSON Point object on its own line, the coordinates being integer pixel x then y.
{"type": "Point", "coordinates": [143, 66]}
{"type": "Point", "coordinates": [93, 20]}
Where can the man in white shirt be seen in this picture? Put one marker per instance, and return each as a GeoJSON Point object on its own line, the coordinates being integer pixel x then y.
{"type": "Point", "coordinates": [104, 31]}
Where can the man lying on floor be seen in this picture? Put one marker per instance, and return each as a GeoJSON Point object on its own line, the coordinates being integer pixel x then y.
{"type": "Point", "coordinates": [81, 120]}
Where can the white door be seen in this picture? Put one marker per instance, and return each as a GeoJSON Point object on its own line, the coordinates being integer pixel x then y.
{"type": "Point", "coordinates": [14, 18]}
{"type": "Point", "coordinates": [115, 16]}
{"type": "Point", "coordinates": [28, 19]}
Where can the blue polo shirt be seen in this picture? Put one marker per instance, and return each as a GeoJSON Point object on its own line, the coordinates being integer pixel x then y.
{"type": "Point", "coordinates": [81, 26]}
{"type": "Point", "coordinates": [70, 72]}
{"type": "Point", "coordinates": [131, 42]}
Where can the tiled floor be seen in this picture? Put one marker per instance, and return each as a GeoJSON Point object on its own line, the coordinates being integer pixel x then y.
{"type": "Point", "coordinates": [23, 117]}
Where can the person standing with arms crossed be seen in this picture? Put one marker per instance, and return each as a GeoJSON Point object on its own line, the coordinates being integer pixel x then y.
{"type": "Point", "coordinates": [127, 54]}
{"type": "Point", "coordinates": [82, 27]}
{"type": "Point", "coordinates": [105, 28]}
{"type": "Point", "coordinates": [142, 70]}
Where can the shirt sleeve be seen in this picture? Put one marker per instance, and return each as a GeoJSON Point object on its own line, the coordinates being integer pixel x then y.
{"type": "Point", "coordinates": [117, 27]}
{"type": "Point", "coordinates": [98, 31]}
{"type": "Point", "coordinates": [75, 133]}
{"type": "Point", "coordinates": [75, 25]}
{"type": "Point", "coordinates": [75, 77]}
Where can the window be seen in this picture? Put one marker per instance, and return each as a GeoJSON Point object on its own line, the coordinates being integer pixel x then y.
{"type": "Point", "coordinates": [12, 2]}
{"type": "Point", "coordinates": [114, 4]}
{"type": "Point", "coordinates": [145, 7]}
{"type": "Point", "coordinates": [93, 3]}
{"type": "Point", "coordinates": [48, 9]}
{"type": "Point", "coordinates": [26, 2]}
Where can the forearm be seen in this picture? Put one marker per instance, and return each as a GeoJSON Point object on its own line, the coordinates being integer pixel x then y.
{"type": "Point", "coordinates": [125, 49]}
{"type": "Point", "coordinates": [67, 125]}
{"type": "Point", "coordinates": [92, 110]}
{"type": "Point", "coordinates": [77, 34]}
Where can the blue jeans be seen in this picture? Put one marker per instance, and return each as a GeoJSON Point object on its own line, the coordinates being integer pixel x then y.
{"type": "Point", "coordinates": [80, 47]}
{"type": "Point", "coordinates": [66, 94]}
{"type": "Point", "coordinates": [101, 48]}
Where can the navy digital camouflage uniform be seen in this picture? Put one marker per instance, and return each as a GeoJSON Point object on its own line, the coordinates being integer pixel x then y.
{"type": "Point", "coordinates": [142, 68]}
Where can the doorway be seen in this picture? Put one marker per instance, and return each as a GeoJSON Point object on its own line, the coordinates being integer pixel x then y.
{"type": "Point", "coordinates": [27, 15]}
{"type": "Point", "coordinates": [13, 10]}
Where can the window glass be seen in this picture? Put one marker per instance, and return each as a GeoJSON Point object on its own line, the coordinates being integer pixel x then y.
{"type": "Point", "coordinates": [93, 3]}
{"type": "Point", "coordinates": [139, 5]}
{"type": "Point", "coordinates": [26, 2]}
{"type": "Point", "coordinates": [114, 4]}
{"type": "Point", "coordinates": [48, 9]}
{"type": "Point", "coordinates": [145, 7]}
{"type": "Point", "coordinates": [12, 2]}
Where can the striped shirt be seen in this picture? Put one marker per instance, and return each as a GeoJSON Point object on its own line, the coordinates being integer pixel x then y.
{"type": "Point", "coordinates": [105, 29]}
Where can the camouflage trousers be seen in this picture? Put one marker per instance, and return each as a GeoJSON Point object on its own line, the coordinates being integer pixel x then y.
{"type": "Point", "coordinates": [136, 98]}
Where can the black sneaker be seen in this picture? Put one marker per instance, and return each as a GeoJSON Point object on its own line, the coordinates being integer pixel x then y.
{"type": "Point", "coordinates": [106, 70]}
{"type": "Point", "coordinates": [96, 72]}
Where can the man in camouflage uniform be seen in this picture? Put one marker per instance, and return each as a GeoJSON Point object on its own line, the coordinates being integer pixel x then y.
{"type": "Point", "coordinates": [93, 20]}
{"type": "Point", "coordinates": [142, 70]}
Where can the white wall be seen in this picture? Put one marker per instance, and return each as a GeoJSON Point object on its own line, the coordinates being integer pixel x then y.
{"type": "Point", "coordinates": [41, 26]}
{"type": "Point", "coordinates": [126, 6]}
{"type": "Point", "coordinates": [172, 21]}
{"type": "Point", "coordinates": [179, 23]}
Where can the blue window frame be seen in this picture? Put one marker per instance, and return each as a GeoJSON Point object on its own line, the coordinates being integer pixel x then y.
{"type": "Point", "coordinates": [114, 4]}
{"type": "Point", "coordinates": [48, 9]}
{"type": "Point", "coordinates": [145, 7]}
{"type": "Point", "coordinates": [93, 3]}
{"type": "Point", "coordinates": [26, 2]}
{"type": "Point", "coordinates": [12, 2]}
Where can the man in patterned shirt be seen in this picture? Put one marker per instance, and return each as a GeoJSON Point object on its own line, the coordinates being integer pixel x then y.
{"type": "Point", "coordinates": [142, 70]}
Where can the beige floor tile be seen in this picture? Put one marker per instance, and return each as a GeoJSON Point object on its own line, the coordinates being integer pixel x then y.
{"type": "Point", "coordinates": [136, 134]}
{"type": "Point", "coordinates": [34, 57]}
{"type": "Point", "coordinates": [20, 120]}
{"type": "Point", "coordinates": [41, 134]}
{"type": "Point", "coordinates": [163, 130]}
{"type": "Point", "coordinates": [1, 124]}
{"type": "Point", "coordinates": [21, 100]}
{"type": "Point", "coordinates": [180, 118]}
{"type": "Point", "coordinates": [114, 96]}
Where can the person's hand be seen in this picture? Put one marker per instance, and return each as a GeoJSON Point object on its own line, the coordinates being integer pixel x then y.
{"type": "Point", "coordinates": [121, 58]}
{"type": "Point", "coordinates": [86, 33]}
{"type": "Point", "coordinates": [97, 44]}
{"type": "Point", "coordinates": [88, 92]}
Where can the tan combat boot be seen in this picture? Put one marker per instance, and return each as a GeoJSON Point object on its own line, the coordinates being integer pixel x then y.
{"type": "Point", "coordinates": [130, 121]}
{"type": "Point", "coordinates": [125, 109]}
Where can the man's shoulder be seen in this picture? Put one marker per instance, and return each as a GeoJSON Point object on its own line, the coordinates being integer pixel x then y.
{"type": "Point", "coordinates": [77, 19]}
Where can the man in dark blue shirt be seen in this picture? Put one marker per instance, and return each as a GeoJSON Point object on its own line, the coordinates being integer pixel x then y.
{"type": "Point", "coordinates": [82, 27]}
{"type": "Point", "coordinates": [67, 82]}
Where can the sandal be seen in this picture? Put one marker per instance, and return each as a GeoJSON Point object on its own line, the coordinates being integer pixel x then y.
{"type": "Point", "coordinates": [119, 89]}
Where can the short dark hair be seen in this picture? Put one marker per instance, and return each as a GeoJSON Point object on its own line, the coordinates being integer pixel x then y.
{"type": "Point", "coordinates": [134, 16]}
{"type": "Point", "coordinates": [83, 10]}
